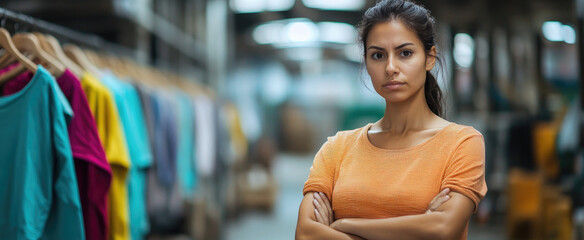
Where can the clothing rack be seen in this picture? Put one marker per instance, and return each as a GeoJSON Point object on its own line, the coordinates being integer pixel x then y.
{"type": "Point", "coordinates": [17, 22]}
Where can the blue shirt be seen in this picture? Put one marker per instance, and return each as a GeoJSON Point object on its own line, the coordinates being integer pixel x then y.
{"type": "Point", "coordinates": [40, 198]}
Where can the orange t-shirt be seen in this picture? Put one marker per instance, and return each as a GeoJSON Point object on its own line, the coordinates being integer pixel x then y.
{"type": "Point", "coordinates": [364, 181]}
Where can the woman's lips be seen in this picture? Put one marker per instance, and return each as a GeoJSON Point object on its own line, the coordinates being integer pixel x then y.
{"type": "Point", "coordinates": [393, 85]}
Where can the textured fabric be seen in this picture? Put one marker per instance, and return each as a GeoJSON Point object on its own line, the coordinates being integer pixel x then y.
{"type": "Point", "coordinates": [165, 206]}
{"type": "Point", "coordinates": [364, 181]}
{"type": "Point", "coordinates": [91, 167]}
{"type": "Point", "coordinates": [205, 138]}
{"type": "Point", "coordinates": [132, 118]}
{"type": "Point", "coordinates": [109, 128]}
{"type": "Point", "coordinates": [40, 194]}
{"type": "Point", "coordinates": [166, 139]}
{"type": "Point", "coordinates": [185, 158]}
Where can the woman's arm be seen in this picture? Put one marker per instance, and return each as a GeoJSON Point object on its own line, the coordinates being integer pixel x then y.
{"type": "Point", "coordinates": [309, 228]}
{"type": "Point", "coordinates": [447, 222]}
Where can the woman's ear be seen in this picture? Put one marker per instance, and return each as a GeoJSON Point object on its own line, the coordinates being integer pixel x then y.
{"type": "Point", "coordinates": [431, 58]}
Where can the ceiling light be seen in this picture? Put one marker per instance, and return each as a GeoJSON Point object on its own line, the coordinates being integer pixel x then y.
{"type": "Point", "coordinates": [337, 32]}
{"type": "Point", "coordinates": [268, 33]}
{"type": "Point", "coordinates": [342, 5]}
{"type": "Point", "coordinates": [301, 31]}
{"type": "Point", "coordinates": [552, 31]}
{"type": "Point", "coordinates": [251, 6]}
{"type": "Point", "coordinates": [463, 50]}
{"type": "Point", "coordinates": [568, 34]}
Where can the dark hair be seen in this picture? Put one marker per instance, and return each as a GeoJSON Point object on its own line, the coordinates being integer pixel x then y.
{"type": "Point", "coordinates": [417, 19]}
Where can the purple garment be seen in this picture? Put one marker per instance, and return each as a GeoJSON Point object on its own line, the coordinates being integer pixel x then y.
{"type": "Point", "coordinates": [91, 166]}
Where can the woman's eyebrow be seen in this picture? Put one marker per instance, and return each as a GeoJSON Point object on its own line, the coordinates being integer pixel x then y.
{"type": "Point", "coordinates": [396, 48]}
{"type": "Point", "coordinates": [376, 47]}
{"type": "Point", "coordinates": [403, 45]}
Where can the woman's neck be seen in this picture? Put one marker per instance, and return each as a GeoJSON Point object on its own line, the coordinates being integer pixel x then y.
{"type": "Point", "coordinates": [412, 114]}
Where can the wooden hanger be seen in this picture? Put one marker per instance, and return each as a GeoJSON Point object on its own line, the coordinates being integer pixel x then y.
{"type": "Point", "coordinates": [94, 58]}
{"type": "Point", "coordinates": [74, 53]}
{"type": "Point", "coordinates": [25, 64]}
{"type": "Point", "coordinates": [52, 46]}
{"type": "Point", "coordinates": [28, 43]}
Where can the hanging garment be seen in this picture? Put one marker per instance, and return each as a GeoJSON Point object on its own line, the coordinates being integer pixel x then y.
{"type": "Point", "coordinates": [165, 206]}
{"type": "Point", "coordinates": [185, 158]}
{"type": "Point", "coordinates": [40, 194]}
{"type": "Point", "coordinates": [132, 118]}
{"type": "Point", "coordinates": [205, 135]}
{"type": "Point", "coordinates": [91, 167]}
{"type": "Point", "coordinates": [238, 139]}
{"type": "Point", "coordinates": [109, 128]}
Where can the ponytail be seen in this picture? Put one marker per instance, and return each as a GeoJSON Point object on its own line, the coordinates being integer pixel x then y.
{"type": "Point", "coordinates": [433, 94]}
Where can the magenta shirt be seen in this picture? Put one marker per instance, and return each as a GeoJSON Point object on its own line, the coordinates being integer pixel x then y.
{"type": "Point", "coordinates": [91, 166]}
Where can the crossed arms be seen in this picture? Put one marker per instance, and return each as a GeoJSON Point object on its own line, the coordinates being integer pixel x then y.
{"type": "Point", "coordinates": [446, 218]}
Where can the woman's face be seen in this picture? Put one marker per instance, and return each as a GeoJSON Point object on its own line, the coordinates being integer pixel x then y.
{"type": "Point", "coordinates": [396, 61]}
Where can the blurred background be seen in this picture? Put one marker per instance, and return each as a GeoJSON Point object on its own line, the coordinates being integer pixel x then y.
{"type": "Point", "coordinates": [285, 74]}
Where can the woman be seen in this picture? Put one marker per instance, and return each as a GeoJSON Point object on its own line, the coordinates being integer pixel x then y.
{"type": "Point", "coordinates": [410, 175]}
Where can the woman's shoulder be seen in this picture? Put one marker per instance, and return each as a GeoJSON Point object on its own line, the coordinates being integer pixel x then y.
{"type": "Point", "coordinates": [460, 131]}
{"type": "Point", "coordinates": [347, 136]}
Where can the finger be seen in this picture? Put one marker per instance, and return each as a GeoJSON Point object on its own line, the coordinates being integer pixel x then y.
{"type": "Point", "coordinates": [319, 199]}
{"type": "Point", "coordinates": [442, 193]}
{"type": "Point", "coordinates": [321, 209]}
{"type": "Point", "coordinates": [318, 217]}
{"type": "Point", "coordinates": [439, 202]}
{"type": "Point", "coordinates": [435, 202]}
{"type": "Point", "coordinates": [328, 206]}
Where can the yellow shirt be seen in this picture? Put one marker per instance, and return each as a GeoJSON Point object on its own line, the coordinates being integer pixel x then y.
{"type": "Point", "coordinates": [113, 140]}
{"type": "Point", "coordinates": [364, 181]}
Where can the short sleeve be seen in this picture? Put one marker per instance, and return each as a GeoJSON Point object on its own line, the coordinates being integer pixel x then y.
{"type": "Point", "coordinates": [322, 172]}
{"type": "Point", "coordinates": [465, 172]}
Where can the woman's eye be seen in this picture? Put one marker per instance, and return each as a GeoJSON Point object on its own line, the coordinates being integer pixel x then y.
{"type": "Point", "coordinates": [377, 55]}
{"type": "Point", "coordinates": [406, 53]}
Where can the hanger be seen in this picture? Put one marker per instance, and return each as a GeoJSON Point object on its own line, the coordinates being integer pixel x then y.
{"type": "Point", "coordinates": [117, 65]}
{"type": "Point", "coordinates": [94, 58]}
{"type": "Point", "coordinates": [25, 64]}
{"type": "Point", "coordinates": [74, 53]}
{"type": "Point", "coordinates": [28, 43]}
{"type": "Point", "coordinates": [52, 46]}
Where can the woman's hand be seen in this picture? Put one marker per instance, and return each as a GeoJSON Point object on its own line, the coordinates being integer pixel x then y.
{"type": "Point", "coordinates": [441, 198]}
{"type": "Point", "coordinates": [322, 209]}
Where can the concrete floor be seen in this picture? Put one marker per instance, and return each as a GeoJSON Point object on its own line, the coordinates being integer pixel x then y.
{"type": "Point", "coordinates": [291, 172]}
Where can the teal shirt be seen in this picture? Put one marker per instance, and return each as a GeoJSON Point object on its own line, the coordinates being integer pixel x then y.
{"type": "Point", "coordinates": [39, 194]}
{"type": "Point", "coordinates": [185, 162]}
{"type": "Point", "coordinates": [133, 122]}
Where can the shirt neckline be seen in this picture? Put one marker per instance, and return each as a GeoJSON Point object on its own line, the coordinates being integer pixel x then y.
{"type": "Point", "coordinates": [4, 100]}
{"type": "Point", "coordinates": [367, 142]}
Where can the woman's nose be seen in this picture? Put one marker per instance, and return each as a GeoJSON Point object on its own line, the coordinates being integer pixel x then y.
{"type": "Point", "coordinates": [390, 68]}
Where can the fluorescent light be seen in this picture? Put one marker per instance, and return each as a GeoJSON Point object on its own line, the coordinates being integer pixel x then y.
{"type": "Point", "coordinates": [568, 34]}
{"type": "Point", "coordinates": [555, 31]}
{"type": "Point", "coordinates": [301, 31]}
{"type": "Point", "coordinates": [297, 32]}
{"type": "Point", "coordinates": [279, 5]}
{"type": "Point", "coordinates": [552, 31]}
{"type": "Point", "coordinates": [251, 6]}
{"type": "Point", "coordinates": [247, 6]}
{"type": "Point", "coordinates": [337, 32]}
{"type": "Point", "coordinates": [268, 33]}
{"type": "Point", "coordinates": [463, 50]}
{"type": "Point", "coordinates": [343, 5]}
